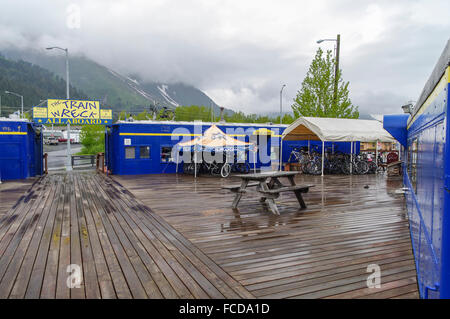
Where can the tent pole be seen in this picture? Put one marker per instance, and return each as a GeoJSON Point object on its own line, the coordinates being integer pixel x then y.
{"type": "Point", "coordinates": [195, 164]}
{"type": "Point", "coordinates": [323, 154]}
{"type": "Point", "coordinates": [308, 147]}
{"type": "Point", "coordinates": [351, 158]}
{"type": "Point", "coordinates": [376, 154]}
{"type": "Point", "coordinates": [281, 154]}
{"type": "Point", "coordinates": [254, 162]}
{"type": "Point", "coordinates": [176, 170]}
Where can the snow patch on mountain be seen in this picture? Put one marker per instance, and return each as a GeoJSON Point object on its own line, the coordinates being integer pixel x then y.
{"type": "Point", "coordinates": [163, 89]}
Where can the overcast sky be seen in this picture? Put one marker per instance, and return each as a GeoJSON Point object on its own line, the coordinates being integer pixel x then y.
{"type": "Point", "coordinates": [240, 52]}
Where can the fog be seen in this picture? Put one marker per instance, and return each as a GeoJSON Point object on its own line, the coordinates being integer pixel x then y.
{"type": "Point", "coordinates": [240, 53]}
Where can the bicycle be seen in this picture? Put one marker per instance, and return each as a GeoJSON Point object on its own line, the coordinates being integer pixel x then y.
{"type": "Point", "coordinates": [357, 164]}
{"type": "Point", "coordinates": [301, 156]}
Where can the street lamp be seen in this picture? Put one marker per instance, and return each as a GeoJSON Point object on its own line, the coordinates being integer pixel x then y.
{"type": "Point", "coordinates": [338, 46]}
{"type": "Point", "coordinates": [281, 103]}
{"type": "Point", "coordinates": [407, 108]}
{"type": "Point", "coordinates": [21, 101]}
{"type": "Point", "coordinates": [281, 122]}
{"type": "Point", "coordinates": [69, 162]}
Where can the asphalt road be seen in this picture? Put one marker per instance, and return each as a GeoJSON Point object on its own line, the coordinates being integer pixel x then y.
{"type": "Point", "coordinates": [57, 155]}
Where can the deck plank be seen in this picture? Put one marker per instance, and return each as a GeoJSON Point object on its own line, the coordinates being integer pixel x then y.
{"type": "Point", "coordinates": [83, 252]}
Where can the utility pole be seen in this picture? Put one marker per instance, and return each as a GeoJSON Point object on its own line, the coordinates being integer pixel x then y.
{"type": "Point", "coordinates": [69, 157]}
{"type": "Point", "coordinates": [281, 103]}
{"type": "Point", "coordinates": [21, 101]}
{"type": "Point", "coordinates": [336, 72]}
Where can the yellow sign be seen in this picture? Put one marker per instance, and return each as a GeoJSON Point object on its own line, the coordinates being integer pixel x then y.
{"type": "Point", "coordinates": [39, 112]}
{"type": "Point", "coordinates": [263, 131]}
{"type": "Point", "coordinates": [73, 109]}
{"type": "Point", "coordinates": [106, 114]}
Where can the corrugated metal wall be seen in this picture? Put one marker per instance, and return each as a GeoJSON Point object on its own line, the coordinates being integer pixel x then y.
{"type": "Point", "coordinates": [20, 150]}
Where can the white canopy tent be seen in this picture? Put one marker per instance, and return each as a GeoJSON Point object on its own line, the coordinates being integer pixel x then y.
{"type": "Point", "coordinates": [336, 130]}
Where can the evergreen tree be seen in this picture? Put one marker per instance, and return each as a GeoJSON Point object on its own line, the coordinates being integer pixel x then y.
{"type": "Point", "coordinates": [316, 97]}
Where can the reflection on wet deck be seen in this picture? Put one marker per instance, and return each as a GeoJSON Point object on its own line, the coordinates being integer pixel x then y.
{"type": "Point", "coordinates": [320, 252]}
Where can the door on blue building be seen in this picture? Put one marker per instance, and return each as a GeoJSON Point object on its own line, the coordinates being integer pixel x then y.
{"type": "Point", "coordinates": [262, 138]}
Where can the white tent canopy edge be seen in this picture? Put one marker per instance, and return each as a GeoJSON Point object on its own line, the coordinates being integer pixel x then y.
{"type": "Point", "coordinates": [338, 130]}
{"type": "Point", "coordinates": [335, 130]}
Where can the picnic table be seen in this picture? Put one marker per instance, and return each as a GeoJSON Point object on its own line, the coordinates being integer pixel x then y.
{"type": "Point", "coordinates": [268, 188]}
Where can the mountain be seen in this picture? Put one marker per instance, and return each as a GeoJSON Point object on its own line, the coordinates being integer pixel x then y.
{"type": "Point", "coordinates": [32, 82]}
{"type": "Point", "coordinates": [120, 92]}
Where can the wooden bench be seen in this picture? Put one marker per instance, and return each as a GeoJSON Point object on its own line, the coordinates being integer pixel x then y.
{"type": "Point", "coordinates": [297, 189]}
{"type": "Point", "coordinates": [268, 188]}
{"type": "Point", "coordinates": [237, 188]}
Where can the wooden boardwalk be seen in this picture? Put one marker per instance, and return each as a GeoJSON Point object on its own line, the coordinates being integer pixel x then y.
{"type": "Point", "coordinates": [122, 248]}
{"type": "Point", "coordinates": [320, 252]}
{"type": "Point", "coordinates": [12, 191]}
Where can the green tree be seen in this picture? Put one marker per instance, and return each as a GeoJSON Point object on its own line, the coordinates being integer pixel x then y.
{"type": "Point", "coordinates": [92, 137]}
{"type": "Point", "coordinates": [237, 117]}
{"type": "Point", "coordinates": [192, 113]}
{"type": "Point", "coordinates": [287, 119]}
{"type": "Point", "coordinates": [142, 116]}
{"type": "Point", "coordinates": [122, 116]}
{"type": "Point", "coordinates": [316, 96]}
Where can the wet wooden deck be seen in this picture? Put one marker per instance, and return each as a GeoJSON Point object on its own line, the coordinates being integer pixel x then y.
{"type": "Point", "coordinates": [12, 191]}
{"type": "Point", "coordinates": [320, 252]}
{"type": "Point", "coordinates": [123, 249]}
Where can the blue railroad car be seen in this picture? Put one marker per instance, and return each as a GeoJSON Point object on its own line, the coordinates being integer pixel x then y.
{"type": "Point", "coordinates": [424, 136]}
{"type": "Point", "coordinates": [145, 147]}
{"type": "Point", "coordinates": [20, 149]}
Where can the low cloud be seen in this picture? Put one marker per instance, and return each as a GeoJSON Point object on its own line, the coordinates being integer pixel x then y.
{"type": "Point", "coordinates": [240, 53]}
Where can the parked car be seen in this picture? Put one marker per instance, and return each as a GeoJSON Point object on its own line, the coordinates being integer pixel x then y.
{"type": "Point", "coordinates": [64, 140]}
{"type": "Point", "coordinates": [51, 140]}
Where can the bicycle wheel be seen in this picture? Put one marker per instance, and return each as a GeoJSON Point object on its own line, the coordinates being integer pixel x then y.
{"type": "Point", "coordinates": [314, 168]}
{"type": "Point", "coordinates": [186, 168]}
{"type": "Point", "coordinates": [225, 170]}
{"type": "Point", "coordinates": [304, 165]}
{"type": "Point", "coordinates": [361, 168]}
{"type": "Point", "coordinates": [345, 168]}
{"type": "Point", "coordinates": [215, 170]}
{"type": "Point", "coordinates": [192, 167]}
{"type": "Point", "coordinates": [372, 168]}
{"type": "Point", "coordinates": [243, 168]}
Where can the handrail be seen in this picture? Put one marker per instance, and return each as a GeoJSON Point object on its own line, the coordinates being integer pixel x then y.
{"type": "Point", "coordinates": [82, 157]}
{"type": "Point", "coordinates": [100, 162]}
{"type": "Point", "coordinates": [45, 157]}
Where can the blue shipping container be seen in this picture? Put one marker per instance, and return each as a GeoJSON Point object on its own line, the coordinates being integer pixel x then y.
{"type": "Point", "coordinates": [424, 136]}
{"type": "Point", "coordinates": [20, 149]}
{"type": "Point", "coordinates": [144, 147]}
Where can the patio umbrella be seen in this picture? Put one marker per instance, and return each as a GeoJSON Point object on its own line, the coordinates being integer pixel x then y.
{"type": "Point", "coordinates": [214, 139]}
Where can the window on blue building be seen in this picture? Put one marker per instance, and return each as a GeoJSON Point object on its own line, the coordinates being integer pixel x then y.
{"type": "Point", "coordinates": [130, 152]}
{"type": "Point", "coordinates": [412, 163]}
{"type": "Point", "coordinates": [166, 154]}
{"type": "Point", "coordinates": [144, 152]}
